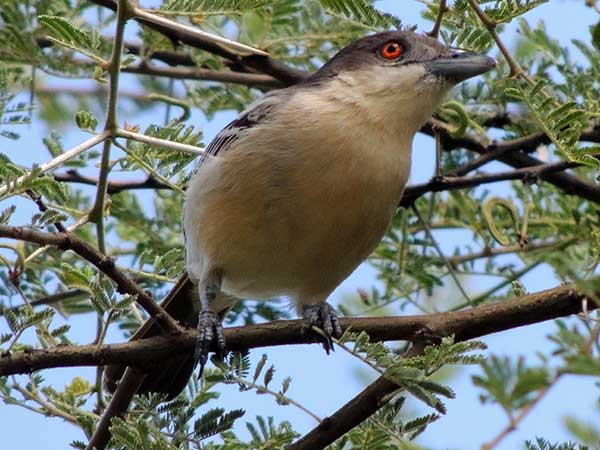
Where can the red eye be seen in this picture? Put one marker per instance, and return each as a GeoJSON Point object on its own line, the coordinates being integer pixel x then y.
{"type": "Point", "coordinates": [391, 50]}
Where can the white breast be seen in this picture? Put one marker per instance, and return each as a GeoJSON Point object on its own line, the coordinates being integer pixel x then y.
{"type": "Point", "coordinates": [295, 210]}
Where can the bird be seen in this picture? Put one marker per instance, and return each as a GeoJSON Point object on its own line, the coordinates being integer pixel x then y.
{"type": "Point", "coordinates": [291, 196]}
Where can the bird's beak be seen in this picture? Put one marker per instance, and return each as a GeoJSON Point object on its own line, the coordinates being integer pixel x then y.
{"type": "Point", "coordinates": [461, 65]}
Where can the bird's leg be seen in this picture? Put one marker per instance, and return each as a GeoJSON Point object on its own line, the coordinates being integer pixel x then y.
{"type": "Point", "coordinates": [209, 324]}
{"type": "Point", "coordinates": [322, 315]}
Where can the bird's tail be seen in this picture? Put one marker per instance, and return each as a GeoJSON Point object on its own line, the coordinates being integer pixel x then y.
{"type": "Point", "coordinates": [166, 376]}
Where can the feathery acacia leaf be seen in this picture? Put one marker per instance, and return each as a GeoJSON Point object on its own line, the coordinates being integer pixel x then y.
{"type": "Point", "coordinates": [213, 7]}
{"type": "Point", "coordinates": [64, 32]}
{"type": "Point", "coordinates": [143, 228]}
{"type": "Point", "coordinates": [561, 122]}
{"type": "Point", "coordinates": [362, 12]}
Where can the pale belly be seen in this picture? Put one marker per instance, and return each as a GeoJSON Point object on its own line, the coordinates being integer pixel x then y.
{"type": "Point", "coordinates": [290, 239]}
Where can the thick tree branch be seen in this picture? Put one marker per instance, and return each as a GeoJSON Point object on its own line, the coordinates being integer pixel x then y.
{"type": "Point", "coordinates": [128, 386]}
{"type": "Point", "coordinates": [531, 173]}
{"type": "Point", "coordinates": [224, 76]}
{"type": "Point", "coordinates": [411, 193]}
{"type": "Point", "coordinates": [466, 324]}
{"type": "Point", "coordinates": [106, 265]}
{"type": "Point", "coordinates": [260, 63]}
{"type": "Point", "coordinates": [475, 322]}
{"type": "Point", "coordinates": [189, 72]}
{"type": "Point", "coordinates": [510, 152]}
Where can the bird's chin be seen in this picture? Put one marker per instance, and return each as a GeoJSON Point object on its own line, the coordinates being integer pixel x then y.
{"type": "Point", "coordinates": [434, 88]}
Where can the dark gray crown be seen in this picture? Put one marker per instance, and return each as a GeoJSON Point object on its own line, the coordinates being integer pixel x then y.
{"type": "Point", "coordinates": [365, 52]}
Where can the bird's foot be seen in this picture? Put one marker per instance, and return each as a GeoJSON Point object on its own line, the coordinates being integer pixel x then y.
{"type": "Point", "coordinates": [209, 330]}
{"type": "Point", "coordinates": [323, 316]}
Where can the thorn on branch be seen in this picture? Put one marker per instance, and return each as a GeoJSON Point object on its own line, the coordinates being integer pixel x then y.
{"type": "Point", "coordinates": [531, 178]}
{"type": "Point", "coordinates": [425, 336]}
{"type": "Point", "coordinates": [435, 31]}
{"type": "Point", "coordinates": [66, 242]}
{"type": "Point", "coordinates": [13, 276]}
{"type": "Point", "coordinates": [106, 264]}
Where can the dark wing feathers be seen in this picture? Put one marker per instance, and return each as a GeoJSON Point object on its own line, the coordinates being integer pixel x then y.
{"type": "Point", "coordinates": [257, 113]}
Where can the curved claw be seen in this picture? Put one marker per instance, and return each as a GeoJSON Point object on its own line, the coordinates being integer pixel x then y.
{"type": "Point", "coordinates": [323, 316]}
{"type": "Point", "coordinates": [209, 330]}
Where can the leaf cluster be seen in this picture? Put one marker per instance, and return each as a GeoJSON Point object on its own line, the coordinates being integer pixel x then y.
{"type": "Point", "coordinates": [413, 373]}
{"type": "Point", "coordinates": [41, 39]}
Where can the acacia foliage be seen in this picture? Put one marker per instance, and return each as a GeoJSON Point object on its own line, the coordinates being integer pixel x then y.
{"type": "Point", "coordinates": [44, 44]}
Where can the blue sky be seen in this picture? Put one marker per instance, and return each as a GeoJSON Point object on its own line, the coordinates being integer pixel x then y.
{"type": "Point", "coordinates": [324, 383]}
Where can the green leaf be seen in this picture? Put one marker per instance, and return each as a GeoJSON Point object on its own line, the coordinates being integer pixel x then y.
{"type": "Point", "coordinates": [6, 213]}
{"type": "Point", "coordinates": [213, 7]}
{"type": "Point", "coordinates": [561, 122]}
{"type": "Point", "coordinates": [68, 33]}
{"type": "Point", "coordinates": [510, 383]}
{"type": "Point", "coordinates": [48, 217]}
{"type": "Point", "coordinates": [595, 31]}
{"type": "Point", "coordinates": [259, 367]}
{"type": "Point", "coordinates": [215, 421]}
{"type": "Point", "coordinates": [361, 12]}
{"type": "Point", "coordinates": [86, 121]}
{"type": "Point", "coordinates": [269, 376]}
{"type": "Point", "coordinates": [425, 396]}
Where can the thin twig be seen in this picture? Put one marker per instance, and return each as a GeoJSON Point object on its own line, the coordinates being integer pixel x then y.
{"type": "Point", "coordinates": [492, 252]}
{"type": "Point", "coordinates": [61, 159]}
{"type": "Point", "coordinates": [106, 265]}
{"type": "Point", "coordinates": [43, 208]}
{"type": "Point", "coordinates": [441, 253]}
{"type": "Point", "coordinates": [152, 172]}
{"type": "Point", "coordinates": [37, 252]}
{"type": "Point", "coordinates": [276, 395]}
{"type": "Point", "coordinates": [112, 187]}
{"type": "Point", "coordinates": [502, 284]}
{"type": "Point", "coordinates": [515, 421]}
{"type": "Point", "coordinates": [52, 410]}
{"type": "Point", "coordinates": [158, 142]}
{"type": "Point", "coordinates": [51, 299]}
{"type": "Point", "coordinates": [114, 70]}
{"type": "Point", "coordinates": [435, 31]}
{"type": "Point", "coordinates": [515, 68]}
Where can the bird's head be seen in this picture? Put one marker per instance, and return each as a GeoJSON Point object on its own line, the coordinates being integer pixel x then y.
{"type": "Point", "coordinates": [398, 76]}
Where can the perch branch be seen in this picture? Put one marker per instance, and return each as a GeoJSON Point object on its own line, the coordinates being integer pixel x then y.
{"type": "Point", "coordinates": [465, 324]}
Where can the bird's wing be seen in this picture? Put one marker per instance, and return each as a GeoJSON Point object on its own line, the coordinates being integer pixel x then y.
{"type": "Point", "coordinates": [257, 113]}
